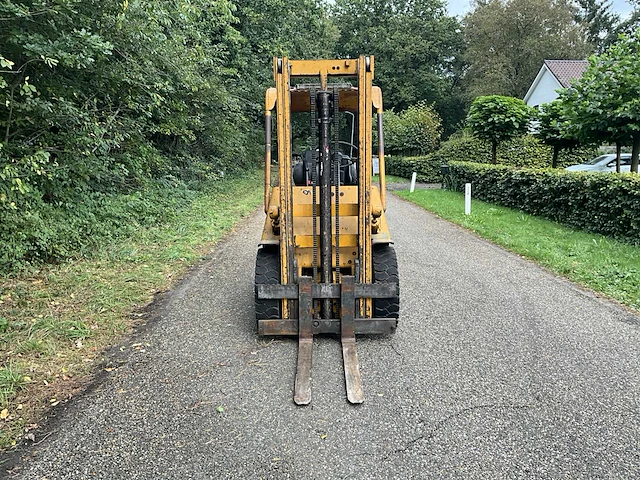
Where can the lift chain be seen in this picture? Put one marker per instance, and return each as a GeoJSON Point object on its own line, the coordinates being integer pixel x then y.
{"type": "Point", "coordinates": [336, 149]}
{"type": "Point", "coordinates": [314, 186]}
{"type": "Point", "coordinates": [314, 179]}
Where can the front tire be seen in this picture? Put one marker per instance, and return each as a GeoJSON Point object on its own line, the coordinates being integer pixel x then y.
{"type": "Point", "coordinates": [385, 270]}
{"type": "Point", "coordinates": [267, 273]}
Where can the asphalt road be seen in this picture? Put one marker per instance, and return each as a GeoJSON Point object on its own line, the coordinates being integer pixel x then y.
{"type": "Point", "coordinates": [498, 370]}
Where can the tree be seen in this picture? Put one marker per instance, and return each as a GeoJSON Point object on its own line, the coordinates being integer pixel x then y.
{"type": "Point", "coordinates": [551, 129]}
{"type": "Point", "coordinates": [598, 19]}
{"type": "Point", "coordinates": [496, 118]}
{"type": "Point", "coordinates": [268, 28]}
{"type": "Point", "coordinates": [627, 25]}
{"type": "Point", "coordinates": [417, 48]}
{"type": "Point", "coordinates": [507, 41]}
{"type": "Point", "coordinates": [605, 103]}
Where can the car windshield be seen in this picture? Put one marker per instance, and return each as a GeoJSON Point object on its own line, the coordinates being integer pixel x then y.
{"type": "Point", "coordinates": [596, 160]}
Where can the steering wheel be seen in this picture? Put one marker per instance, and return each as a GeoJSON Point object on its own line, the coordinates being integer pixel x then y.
{"type": "Point", "coordinates": [352, 147]}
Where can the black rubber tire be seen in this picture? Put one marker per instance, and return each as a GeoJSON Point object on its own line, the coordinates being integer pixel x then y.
{"type": "Point", "coordinates": [385, 270]}
{"type": "Point", "coordinates": [267, 273]}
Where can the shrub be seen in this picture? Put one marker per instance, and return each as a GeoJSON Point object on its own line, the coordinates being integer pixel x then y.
{"type": "Point", "coordinates": [427, 168]}
{"type": "Point", "coordinates": [415, 130]}
{"type": "Point", "coordinates": [525, 151]}
{"type": "Point", "coordinates": [603, 203]}
{"type": "Point", "coordinates": [43, 232]}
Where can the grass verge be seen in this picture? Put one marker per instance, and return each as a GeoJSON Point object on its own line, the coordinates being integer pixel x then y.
{"type": "Point", "coordinates": [594, 261]}
{"type": "Point", "coordinates": [55, 323]}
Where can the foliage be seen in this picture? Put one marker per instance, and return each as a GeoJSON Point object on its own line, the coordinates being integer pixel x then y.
{"type": "Point", "coordinates": [415, 130]}
{"type": "Point", "coordinates": [551, 128]}
{"type": "Point", "coordinates": [495, 118]}
{"type": "Point", "coordinates": [507, 41]}
{"type": "Point", "coordinates": [598, 19]}
{"type": "Point", "coordinates": [50, 233]}
{"type": "Point", "coordinates": [113, 105]}
{"type": "Point", "coordinates": [605, 203]}
{"type": "Point", "coordinates": [604, 105]}
{"type": "Point", "coordinates": [417, 48]}
{"type": "Point", "coordinates": [301, 29]}
{"type": "Point", "coordinates": [628, 25]}
{"type": "Point", "coordinates": [522, 152]}
{"type": "Point", "coordinates": [426, 167]}
{"type": "Point", "coordinates": [101, 104]}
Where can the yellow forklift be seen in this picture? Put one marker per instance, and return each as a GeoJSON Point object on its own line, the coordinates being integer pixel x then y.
{"type": "Point", "coordinates": [325, 264]}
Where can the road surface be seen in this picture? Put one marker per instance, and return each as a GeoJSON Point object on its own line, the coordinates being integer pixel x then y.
{"type": "Point", "coordinates": [498, 370]}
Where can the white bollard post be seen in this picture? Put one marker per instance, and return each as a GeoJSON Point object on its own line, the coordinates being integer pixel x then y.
{"type": "Point", "coordinates": [413, 182]}
{"type": "Point", "coordinates": [467, 199]}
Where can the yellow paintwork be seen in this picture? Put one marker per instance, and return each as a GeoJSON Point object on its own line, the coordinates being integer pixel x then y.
{"type": "Point", "coordinates": [288, 222]}
{"type": "Point", "coordinates": [283, 107]}
{"type": "Point", "coordinates": [314, 68]}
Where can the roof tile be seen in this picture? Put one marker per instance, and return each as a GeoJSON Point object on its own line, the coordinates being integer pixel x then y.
{"type": "Point", "coordinates": [566, 70]}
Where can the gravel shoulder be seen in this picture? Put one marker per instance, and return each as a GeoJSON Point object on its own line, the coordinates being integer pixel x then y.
{"type": "Point", "coordinates": [498, 370]}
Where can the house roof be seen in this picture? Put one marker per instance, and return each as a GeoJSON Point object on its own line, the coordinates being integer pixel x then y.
{"type": "Point", "coordinates": [566, 70]}
{"type": "Point", "coordinates": [562, 71]}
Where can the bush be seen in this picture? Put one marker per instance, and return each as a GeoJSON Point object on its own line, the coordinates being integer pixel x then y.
{"type": "Point", "coordinates": [525, 151]}
{"type": "Point", "coordinates": [427, 168]}
{"type": "Point", "coordinates": [603, 203]}
{"type": "Point", "coordinates": [416, 130]}
{"type": "Point", "coordinates": [44, 232]}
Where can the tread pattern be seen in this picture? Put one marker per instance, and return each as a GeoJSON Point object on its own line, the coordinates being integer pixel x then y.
{"type": "Point", "coordinates": [267, 272]}
{"type": "Point", "coordinates": [385, 270]}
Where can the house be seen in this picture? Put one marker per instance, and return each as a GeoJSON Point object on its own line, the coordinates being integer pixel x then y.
{"type": "Point", "coordinates": [553, 75]}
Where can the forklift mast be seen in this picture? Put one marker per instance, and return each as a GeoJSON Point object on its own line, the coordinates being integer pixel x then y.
{"type": "Point", "coordinates": [325, 233]}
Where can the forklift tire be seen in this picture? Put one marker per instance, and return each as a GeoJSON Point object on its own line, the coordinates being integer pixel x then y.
{"type": "Point", "coordinates": [267, 273]}
{"type": "Point", "coordinates": [385, 270]}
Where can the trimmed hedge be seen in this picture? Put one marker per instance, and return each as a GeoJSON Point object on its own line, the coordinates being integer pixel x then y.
{"type": "Point", "coordinates": [605, 203]}
{"type": "Point", "coordinates": [526, 151]}
{"type": "Point", "coordinates": [427, 168]}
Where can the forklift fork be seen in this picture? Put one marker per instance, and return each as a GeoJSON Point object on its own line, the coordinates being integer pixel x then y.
{"type": "Point", "coordinates": [305, 326]}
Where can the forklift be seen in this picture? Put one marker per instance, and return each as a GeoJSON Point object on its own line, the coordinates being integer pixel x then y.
{"type": "Point", "coordinates": [326, 264]}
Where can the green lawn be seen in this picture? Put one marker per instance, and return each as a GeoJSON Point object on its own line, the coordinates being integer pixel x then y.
{"type": "Point", "coordinates": [594, 261]}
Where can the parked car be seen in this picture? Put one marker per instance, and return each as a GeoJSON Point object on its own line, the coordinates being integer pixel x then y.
{"type": "Point", "coordinates": [604, 163]}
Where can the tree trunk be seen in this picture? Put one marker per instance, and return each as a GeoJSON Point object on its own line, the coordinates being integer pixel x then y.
{"type": "Point", "coordinates": [556, 151]}
{"type": "Point", "coordinates": [635, 152]}
{"type": "Point", "coordinates": [618, 152]}
{"type": "Point", "coordinates": [494, 152]}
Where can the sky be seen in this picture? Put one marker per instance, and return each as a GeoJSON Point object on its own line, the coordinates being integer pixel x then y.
{"type": "Point", "coordinates": [460, 7]}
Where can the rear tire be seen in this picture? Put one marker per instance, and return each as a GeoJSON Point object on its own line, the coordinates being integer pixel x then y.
{"type": "Point", "coordinates": [267, 273]}
{"type": "Point", "coordinates": [385, 270]}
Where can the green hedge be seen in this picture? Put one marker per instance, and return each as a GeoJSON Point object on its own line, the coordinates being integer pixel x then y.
{"type": "Point", "coordinates": [526, 151]}
{"type": "Point", "coordinates": [427, 168]}
{"type": "Point", "coordinates": [605, 203]}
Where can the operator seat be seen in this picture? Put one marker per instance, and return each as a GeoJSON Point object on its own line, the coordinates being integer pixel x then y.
{"type": "Point", "coordinates": [302, 170]}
